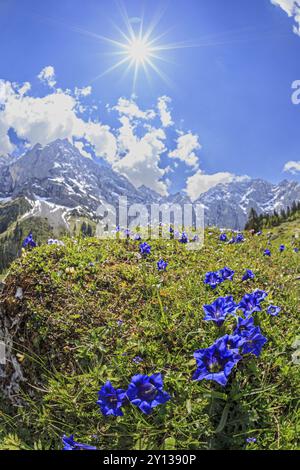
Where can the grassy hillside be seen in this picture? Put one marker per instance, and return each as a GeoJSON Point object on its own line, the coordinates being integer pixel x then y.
{"type": "Point", "coordinates": [94, 310]}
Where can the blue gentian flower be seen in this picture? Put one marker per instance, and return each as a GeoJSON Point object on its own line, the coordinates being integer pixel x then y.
{"type": "Point", "coordinates": [267, 252]}
{"type": "Point", "coordinates": [219, 310]}
{"type": "Point", "coordinates": [110, 400]}
{"type": "Point", "coordinates": [273, 310]}
{"type": "Point", "coordinates": [235, 341]}
{"type": "Point", "coordinates": [250, 440]}
{"type": "Point", "coordinates": [145, 249]}
{"type": "Point", "coordinates": [70, 444]}
{"type": "Point", "coordinates": [223, 237]}
{"type": "Point", "coordinates": [254, 342]}
{"type": "Point", "coordinates": [137, 237]}
{"type": "Point", "coordinates": [260, 294]}
{"type": "Point", "coordinates": [226, 274]}
{"type": "Point", "coordinates": [281, 248]}
{"type": "Point", "coordinates": [127, 232]}
{"type": "Point", "coordinates": [259, 233]}
{"type": "Point", "coordinates": [244, 325]}
{"type": "Point", "coordinates": [162, 265]}
{"type": "Point", "coordinates": [212, 279]}
{"type": "Point", "coordinates": [239, 238]}
{"type": "Point", "coordinates": [137, 359]}
{"type": "Point", "coordinates": [248, 275]}
{"type": "Point", "coordinates": [29, 241]}
{"type": "Point", "coordinates": [296, 250]}
{"type": "Point", "coordinates": [216, 362]}
{"type": "Point", "coordinates": [184, 238]}
{"type": "Point", "coordinates": [250, 303]}
{"type": "Point", "coordinates": [146, 392]}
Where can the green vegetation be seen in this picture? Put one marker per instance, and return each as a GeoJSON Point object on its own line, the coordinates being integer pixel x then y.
{"type": "Point", "coordinates": [69, 342]}
{"type": "Point", "coordinates": [258, 222]}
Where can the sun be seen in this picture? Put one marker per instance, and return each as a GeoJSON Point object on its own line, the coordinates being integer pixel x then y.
{"type": "Point", "coordinates": [138, 50]}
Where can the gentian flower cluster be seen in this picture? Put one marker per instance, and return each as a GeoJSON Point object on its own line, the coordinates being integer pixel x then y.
{"type": "Point", "coordinates": [223, 237]}
{"type": "Point", "coordinates": [145, 248]}
{"type": "Point", "coordinates": [214, 278]}
{"type": "Point", "coordinates": [184, 238]}
{"type": "Point", "coordinates": [162, 265]}
{"type": "Point", "coordinates": [29, 242]}
{"type": "Point", "coordinates": [145, 392]}
{"type": "Point", "coordinates": [238, 239]}
{"type": "Point", "coordinates": [217, 361]}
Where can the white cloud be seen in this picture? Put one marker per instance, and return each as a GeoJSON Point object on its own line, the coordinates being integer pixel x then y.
{"type": "Point", "coordinates": [43, 120]}
{"type": "Point", "coordinates": [164, 112]}
{"type": "Point", "coordinates": [130, 108]}
{"type": "Point", "coordinates": [292, 8]}
{"type": "Point", "coordinates": [187, 144]}
{"type": "Point", "coordinates": [142, 156]}
{"type": "Point", "coordinates": [83, 91]}
{"type": "Point", "coordinates": [199, 182]}
{"type": "Point", "coordinates": [292, 167]}
{"type": "Point", "coordinates": [47, 76]}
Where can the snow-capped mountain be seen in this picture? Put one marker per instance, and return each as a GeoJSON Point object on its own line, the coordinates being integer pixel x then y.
{"type": "Point", "coordinates": [228, 205]}
{"type": "Point", "coordinates": [57, 181]}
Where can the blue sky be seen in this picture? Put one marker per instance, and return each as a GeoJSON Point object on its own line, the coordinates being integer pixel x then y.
{"type": "Point", "coordinates": [232, 89]}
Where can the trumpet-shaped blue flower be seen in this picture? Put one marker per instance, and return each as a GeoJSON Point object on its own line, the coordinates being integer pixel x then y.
{"type": "Point", "coordinates": [249, 304]}
{"type": "Point", "coordinates": [226, 274]}
{"type": "Point", "coordinates": [146, 392]}
{"type": "Point", "coordinates": [273, 310]}
{"type": "Point", "coordinates": [145, 248]}
{"type": "Point", "coordinates": [70, 444]}
{"type": "Point", "coordinates": [260, 294]}
{"type": "Point", "coordinates": [244, 325]}
{"type": "Point", "coordinates": [29, 241]}
{"type": "Point", "coordinates": [137, 237]}
{"type": "Point", "coordinates": [267, 252]}
{"type": "Point", "coordinates": [254, 342]}
{"type": "Point", "coordinates": [281, 248]}
{"type": "Point", "coordinates": [248, 275]}
{"type": "Point", "coordinates": [212, 279]}
{"type": "Point", "coordinates": [239, 238]}
{"type": "Point", "coordinates": [216, 362]}
{"type": "Point", "coordinates": [223, 237]}
{"type": "Point", "coordinates": [184, 238]}
{"type": "Point", "coordinates": [162, 265]}
{"type": "Point", "coordinates": [219, 310]}
{"type": "Point", "coordinates": [110, 400]}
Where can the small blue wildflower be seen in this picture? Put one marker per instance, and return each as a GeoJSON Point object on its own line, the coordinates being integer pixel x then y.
{"type": "Point", "coordinates": [226, 274]}
{"type": "Point", "coordinates": [249, 304]}
{"type": "Point", "coordinates": [250, 440]}
{"type": "Point", "coordinates": [145, 249]}
{"type": "Point", "coordinates": [273, 310]}
{"type": "Point", "coordinates": [260, 294]}
{"type": "Point", "coordinates": [248, 275]}
{"type": "Point", "coordinates": [216, 362]}
{"type": "Point", "coordinates": [212, 279]}
{"type": "Point", "coordinates": [29, 241]}
{"type": "Point", "coordinates": [223, 237]}
{"type": "Point", "coordinates": [281, 248]}
{"type": "Point", "coordinates": [259, 233]}
{"type": "Point", "coordinates": [127, 232]}
{"type": "Point", "coordinates": [70, 444]}
{"type": "Point", "coordinates": [146, 392]}
{"type": "Point", "coordinates": [110, 400]}
{"type": "Point", "coordinates": [162, 265]}
{"type": "Point", "coordinates": [296, 250]}
{"type": "Point", "coordinates": [119, 322]}
{"type": "Point", "coordinates": [184, 238]}
{"type": "Point", "coordinates": [137, 360]}
{"type": "Point", "coordinates": [137, 237]}
{"type": "Point", "coordinates": [244, 325]}
{"type": "Point", "coordinates": [267, 252]}
{"type": "Point", "coordinates": [239, 238]}
{"type": "Point", "coordinates": [254, 342]}
{"type": "Point", "coordinates": [219, 310]}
